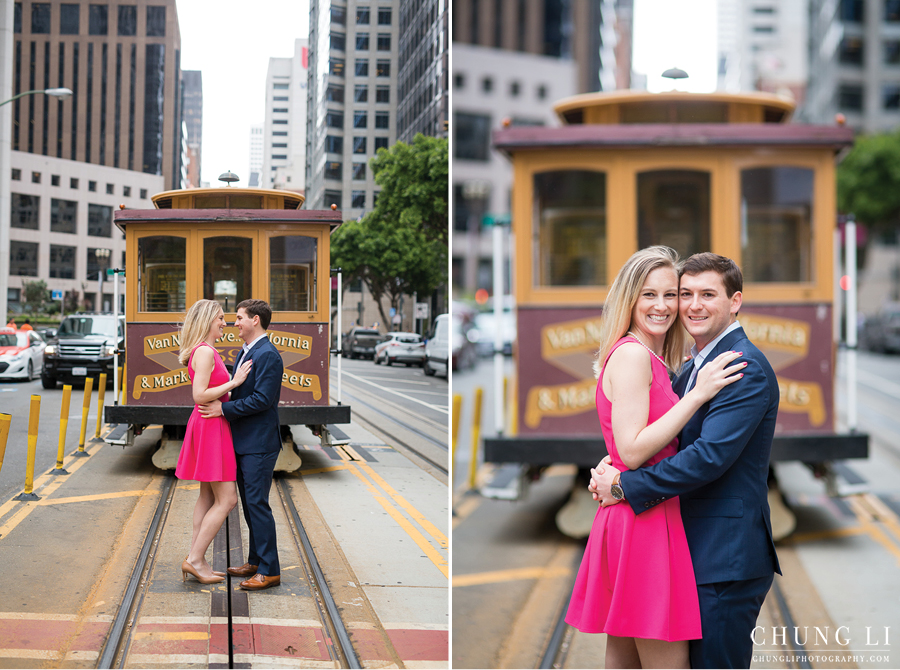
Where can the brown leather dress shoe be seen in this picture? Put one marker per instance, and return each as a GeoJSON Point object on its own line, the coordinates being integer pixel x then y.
{"type": "Point", "coordinates": [246, 570]}
{"type": "Point", "coordinates": [259, 582]}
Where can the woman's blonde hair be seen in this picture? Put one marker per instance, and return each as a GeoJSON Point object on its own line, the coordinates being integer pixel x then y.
{"type": "Point", "coordinates": [623, 295]}
{"type": "Point", "coordinates": [197, 322]}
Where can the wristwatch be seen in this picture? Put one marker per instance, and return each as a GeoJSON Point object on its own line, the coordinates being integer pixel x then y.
{"type": "Point", "coordinates": [616, 489]}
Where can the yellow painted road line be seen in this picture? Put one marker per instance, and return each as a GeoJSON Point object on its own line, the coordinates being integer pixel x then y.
{"type": "Point", "coordinates": [884, 513]}
{"type": "Point", "coordinates": [872, 529]}
{"type": "Point", "coordinates": [465, 508]}
{"type": "Point", "coordinates": [96, 496]}
{"type": "Point", "coordinates": [799, 538]}
{"type": "Point", "coordinates": [316, 471]}
{"type": "Point", "coordinates": [480, 578]}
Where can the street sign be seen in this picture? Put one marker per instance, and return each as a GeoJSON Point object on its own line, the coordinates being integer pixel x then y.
{"type": "Point", "coordinates": [56, 295]}
{"type": "Point", "coordinates": [422, 310]}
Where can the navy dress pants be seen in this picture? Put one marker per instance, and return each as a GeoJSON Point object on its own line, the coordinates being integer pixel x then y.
{"type": "Point", "coordinates": [254, 480]}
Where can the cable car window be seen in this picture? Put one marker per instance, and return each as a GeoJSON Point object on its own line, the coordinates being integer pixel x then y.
{"type": "Point", "coordinates": [292, 272]}
{"type": "Point", "coordinates": [570, 228]}
{"type": "Point", "coordinates": [776, 224]}
{"type": "Point", "coordinates": [227, 270]}
{"type": "Point", "coordinates": [161, 271]}
{"type": "Point", "coordinates": [673, 210]}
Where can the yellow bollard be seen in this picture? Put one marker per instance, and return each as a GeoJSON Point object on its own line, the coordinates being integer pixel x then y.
{"type": "Point", "coordinates": [63, 425]}
{"type": "Point", "coordinates": [101, 393]}
{"type": "Point", "coordinates": [88, 386]}
{"type": "Point", "coordinates": [454, 435]}
{"type": "Point", "coordinates": [4, 434]}
{"type": "Point", "coordinates": [121, 373]}
{"type": "Point", "coordinates": [476, 436]}
{"type": "Point", "coordinates": [34, 419]}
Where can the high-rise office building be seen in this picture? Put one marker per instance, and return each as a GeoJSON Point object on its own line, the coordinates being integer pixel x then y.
{"type": "Point", "coordinates": [193, 121]}
{"type": "Point", "coordinates": [584, 32]}
{"type": "Point", "coordinates": [284, 130]}
{"type": "Point", "coordinates": [256, 156]}
{"type": "Point", "coordinates": [122, 63]}
{"type": "Point", "coordinates": [352, 100]}
{"type": "Point", "coordinates": [423, 81]}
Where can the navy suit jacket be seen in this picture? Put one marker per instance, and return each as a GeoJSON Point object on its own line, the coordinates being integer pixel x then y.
{"type": "Point", "coordinates": [252, 410]}
{"type": "Point", "coordinates": [720, 472]}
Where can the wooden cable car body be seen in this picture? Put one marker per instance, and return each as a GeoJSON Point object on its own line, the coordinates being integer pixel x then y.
{"type": "Point", "coordinates": [697, 172]}
{"type": "Point", "coordinates": [226, 244]}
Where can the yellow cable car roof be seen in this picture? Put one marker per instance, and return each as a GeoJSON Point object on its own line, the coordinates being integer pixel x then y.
{"type": "Point", "coordinates": [288, 199]}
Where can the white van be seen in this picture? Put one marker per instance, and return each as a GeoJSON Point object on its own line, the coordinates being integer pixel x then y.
{"type": "Point", "coordinates": [437, 348]}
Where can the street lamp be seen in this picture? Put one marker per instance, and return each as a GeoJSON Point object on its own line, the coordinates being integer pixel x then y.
{"type": "Point", "coordinates": [101, 270]}
{"type": "Point", "coordinates": [61, 93]}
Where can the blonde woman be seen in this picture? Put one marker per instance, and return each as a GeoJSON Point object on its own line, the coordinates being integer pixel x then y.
{"type": "Point", "coordinates": [207, 454]}
{"type": "Point", "coordinates": [636, 581]}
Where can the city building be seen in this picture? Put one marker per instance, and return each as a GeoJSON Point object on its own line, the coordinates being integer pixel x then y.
{"type": "Point", "coordinates": [854, 63]}
{"type": "Point", "coordinates": [256, 155]}
{"type": "Point", "coordinates": [352, 100]}
{"type": "Point", "coordinates": [61, 224]}
{"type": "Point", "coordinates": [193, 120]}
{"type": "Point", "coordinates": [122, 63]}
{"type": "Point", "coordinates": [490, 85]}
{"type": "Point", "coordinates": [423, 81]}
{"type": "Point", "coordinates": [284, 129]}
{"type": "Point", "coordinates": [583, 32]}
{"type": "Point", "coordinates": [763, 46]}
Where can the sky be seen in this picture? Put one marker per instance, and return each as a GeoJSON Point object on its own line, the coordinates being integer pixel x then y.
{"type": "Point", "coordinates": [230, 42]}
{"type": "Point", "coordinates": [676, 33]}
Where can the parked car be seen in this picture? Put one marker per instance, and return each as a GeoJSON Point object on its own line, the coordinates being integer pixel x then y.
{"type": "Point", "coordinates": [398, 347]}
{"type": "Point", "coordinates": [83, 347]}
{"type": "Point", "coordinates": [437, 347]}
{"type": "Point", "coordinates": [21, 354]}
{"type": "Point", "coordinates": [882, 331]}
{"type": "Point", "coordinates": [485, 328]}
{"type": "Point", "coordinates": [360, 343]}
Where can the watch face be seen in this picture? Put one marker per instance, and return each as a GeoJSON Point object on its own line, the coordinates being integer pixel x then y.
{"type": "Point", "coordinates": [617, 492]}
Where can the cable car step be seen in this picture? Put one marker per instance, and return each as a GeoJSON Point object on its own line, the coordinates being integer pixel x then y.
{"type": "Point", "coordinates": [507, 482]}
{"type": "Point", "coordinates": [121, 434]}
{"type": "Point", "coordinates": [336, 436]}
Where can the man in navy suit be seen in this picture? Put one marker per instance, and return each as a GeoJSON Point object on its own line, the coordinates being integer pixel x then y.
{"type": "Point", "coordinates": [719, 472]}
{"type": "Point", "coordinates": [252, 412]}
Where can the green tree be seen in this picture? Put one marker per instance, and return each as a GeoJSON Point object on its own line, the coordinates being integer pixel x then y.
{"type": "Point", "coordinates": [400, 247]}
{"type": "Point", "coordinates": [36, 294]}
{"type": "Point", "coordinates": [869, 182]}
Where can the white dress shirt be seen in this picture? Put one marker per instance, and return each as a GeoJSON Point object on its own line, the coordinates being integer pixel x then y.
{"type": "Point", "coordinates": [699, 357]}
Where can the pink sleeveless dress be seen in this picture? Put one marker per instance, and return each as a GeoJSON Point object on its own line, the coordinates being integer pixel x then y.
{"type": "Point", "coordinates": [207, 454]}
{"type": "Point", "coordinates": [636, 578]}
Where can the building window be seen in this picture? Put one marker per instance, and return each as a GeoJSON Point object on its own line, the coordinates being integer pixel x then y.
{"type": "Point", "coordinates": [362, 41]}
{"type": "Point", "coordinates": [459, 81]}
{"type": "Point", "coordinates": [14, 295]}
{"type": "Point", "coordinates": [469, 208]}
{"type": "Point", "coordinates": [24, 211]}
{"type": "Point", "coordinates": [127, 20]}
{"type": "Point", "coordinates": [292, 281]}
{"type": "Point", "coordinates": [40, 18]}
{"type": "Point", "coordinates": [384, 42]}
{"type": "Point", "coordinates": [487, 84]}
{"type": "Point", "coordinates": [333, 170]}
{"type": "Point", "coordinates": [279, 110]}
{"type": "Point", "coordinates": [892, 11]}
{"type": "Point", "coordinates": [23, 259]}
{"type": "Point", "coordinates": [382, 120]}
{"type": "Point", "coordinates": [334, 119]}
{"type": "Point", "coordinates": [63, 216]}
{"type": "Point", "coordinates": [359, 145]}
{"type": "Point", "coordinates": [334, 144]}
{"type": "Point", "coordinates": [126, 191]}
{"type": "Point", "coordinates": [92, 186]}
{"type": "Point", "coordinates": [763, 10]}
{"type": "Point", "coordinates": [282, 87]}
{"type": "Point", "coordinates": [73, 182]}
{"type": "Point", "coordinates": [514, 87]}
{"type": "Point", "coordinates": [381, 143]}
{"type": "Point", "coordinates": [383, 68]}
{"type": "Point", "coordinates": [110, 189]}
{"type": "Point", "coordinates": [143, 194]}
{"type": "Point", "coordinates": [359, 170]}
{"type": "Point", "coordinates": [384, 16]}
{"type": "Point", "coordinates": [35, 177]}
{"type": "Point", "coordinates": [383, 94]}
{"type": "Point", "coordinates": [17, 17]}
{"type": "Point", "coordinates": [338, 15]}
{"type": "Point", "coordinates": [279, 145]}
{"type": "Point", "coordinates": [362, 67]}
{"type": "Point", "coordinates": [280, 98]}
{"type": "Point", "coordinates": [768, 30]}
{"type": "Point", "coordinates": [69, 19]}
{"type": "Point", "coordinates": [852, 10]}
{"type": "Point", "coordinates": [850, 97]}
{"type": "Point", "coordinates": [890, 95]}
{"type": "Point", "coordinates": [361, 93]}
{"type": "Point", "coordinates": [335, 67]}
{"type": "Point", "coordinates": [62, 262]}
{"type": "Point", "coordinates": [338, 41]}
{"type": "Point", "coordinates": [16, 174]}
{"type": "Point", "coordinates": [156, 21]}
{"type": "Point", "coordinates": [279, 122]}
{"type": "Point", "coordinates": [360, 119]}
{"type": "Point", "coordinates": [99, 220]}
{"type": "Point", "coordinates": [54, 180]}
{"type": "Point", "coordinates": [362, 16]}
{"type": "Point", "coordinates": [892, 52]}
{"type": "Point", "coordinates": [850, 51]}
{"type": "Point", "coordinates": [542, 92]}
{"type": "Point", "coordinates": [279, 133]}
{"type": "Point", "coordinates": [333, 198]}
{"type": "Point", "coordinates": [334, 94]}
{"type": "Point", "coordinates": [279, 157]}
{"type": "Point", "coordinates": [98, 19]}
{"type": "Point", "coordinates": [472, 136]}
{"type": "Point", "coordinates": [357, 199]}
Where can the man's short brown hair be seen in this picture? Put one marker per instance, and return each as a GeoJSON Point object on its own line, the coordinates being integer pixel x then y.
{"type": "Point", "coordinates": [258, 308]}
{"type": "Point", "coordinates": [731, 274]}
